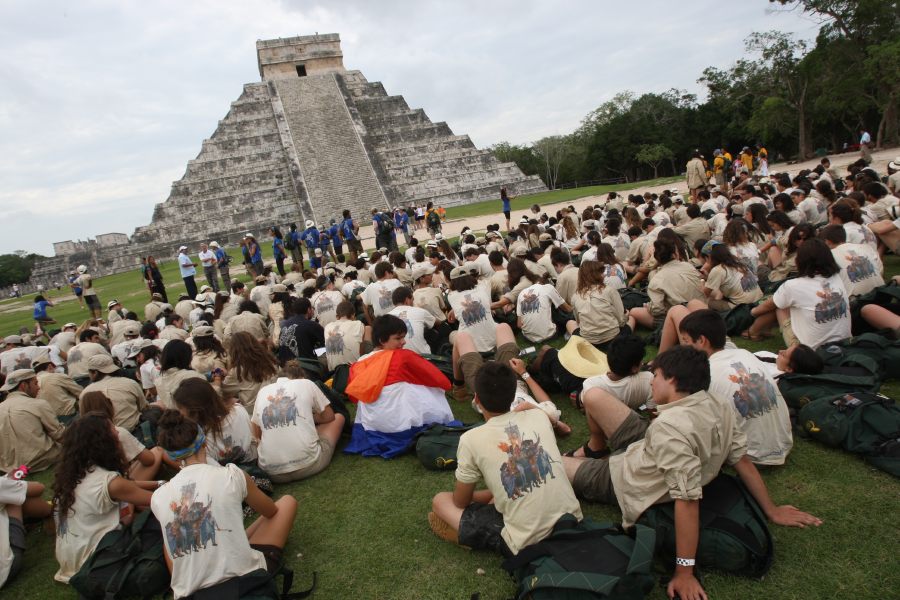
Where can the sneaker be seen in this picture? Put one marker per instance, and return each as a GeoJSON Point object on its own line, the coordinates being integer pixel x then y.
{"type": "Point", "coordinates": [442, 529]}
{"type": "Point", "coordinates": [461, 393]}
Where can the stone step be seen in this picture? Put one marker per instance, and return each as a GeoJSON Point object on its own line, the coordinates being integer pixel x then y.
{"type": "Point", "coordinates": [412, 133]}
{"type": "Point", "coordinates": [411, 188]}
{"type": "Point", "coordinates": [529, 185]}
{"type": "Point", "coordinates": [176, 207]}
{"type": "Point", "coordinates": [417, 160]}
{"type": "Point", "coordinates": [275, 176]}
{"type": "Point", "coordinates": [389, 122]}
{"type": "Point", "coordinates": [203, 171]}
{"type": "Point", "coordinates": [261, 123]}
{"type": "Point", "coordinates": [225, 146]}
{"type": "Point", "coordinates": [399, 150]}
{"type": "Point", "coordinates": [442, 168]}
{"type": "Point", "coordinates": [249, 152]}
{"type": "Point", "coordinates": [385, 105]}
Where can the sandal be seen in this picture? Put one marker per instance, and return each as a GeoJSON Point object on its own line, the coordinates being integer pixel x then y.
{"type": "Point", "coordinates": [588, 452]}
{"type": "Point", "coordinates": [753, 338]}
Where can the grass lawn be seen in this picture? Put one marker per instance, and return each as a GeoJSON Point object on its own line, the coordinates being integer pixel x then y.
{"type": "Point", "coordinates": [362, 523]}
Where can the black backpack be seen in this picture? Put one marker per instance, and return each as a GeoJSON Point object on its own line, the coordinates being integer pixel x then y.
{"type": "Point", "coordinates": [852, 374]}
{"type": "Point", "coordinates": [386, 224]}
{"type": "Point", "coordinates": [586, 560]}
{"type": "Point", "coordinates": [127, 563]}
{"type": "Point", "coordinates": [885, 352]}
{"type": "Point", "coordinates": [734, 533]}
{"type": "Point", "coordinates": [434, 220]}
{"type": "Point", "coordinates": [436, 446]}
{"type": "Point", "coordinates": [256, 585]}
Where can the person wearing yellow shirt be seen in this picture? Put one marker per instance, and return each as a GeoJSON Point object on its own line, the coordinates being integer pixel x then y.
{"type": "Point", "coordinates": [719, 170]}
{"type": "Point", "coordinates": [747, 159]}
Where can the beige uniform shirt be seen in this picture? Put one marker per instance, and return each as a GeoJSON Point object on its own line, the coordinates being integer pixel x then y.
{"type": "Point", "coordinates": [153, 310]}
{"type": "Point", "coordinates": [168, 382]}
{"type": "Point", "coordinates": [126, 396]}
{"type": "Point", "coordinates": [567, 283]}
{"type": "Point", "coordinates": [600, 314]}
{"type": "Point", "coordinates": [432, 300]}
{"type": "Point", "coordinates": [77, 362]}
{"type": "Point", "coordinates": [60, 391]}
{"type": "Point", "coordinates": [674, 283]}
{"type": "Point", "coordinates": [117, 330]}
{"type": "Point", "coordinates": [170, 332]}
{"type": "Point", "coordinates": [29, 433]}
{"type": "Point", "coordinates": [545, 262]}
{"type": "Point", "coordinates": [250, 322]}
{"type": "Point", "coordinates": [183, 309]}
{"type": "Point", "coordinates": [683, 450]}
{"type": "Point", "coordinates": [244, 391]}
{"type": "Point", "coordinates": [693, 230]}
{"type": "Point", "coordinates": [207, 361]}
{"type": "Point", "coordinates": [499, 284]}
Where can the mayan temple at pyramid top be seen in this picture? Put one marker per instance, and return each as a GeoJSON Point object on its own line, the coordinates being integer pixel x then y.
{"type": "Point", "coordinates": [309, 140]}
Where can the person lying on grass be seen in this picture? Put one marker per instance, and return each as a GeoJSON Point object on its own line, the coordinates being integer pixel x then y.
{"type": "Point", "coordinates": [515, 453]}
{"type": "Point", "coordinates": [670, 458]}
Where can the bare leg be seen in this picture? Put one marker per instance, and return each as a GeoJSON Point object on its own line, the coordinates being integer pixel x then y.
{"type": "Point", "coordinates": [274, 531]}
{"type": "Point", "coordinates": [571, 326]}
{"type": "Point", "coordinates": [639, 316]}
{"type": "Point", "coordinates": [141, 472]}
{"type": "Point", "coordinates": [505, 335]}
{"type": "Point", "coordinates": [331, 430]}
{"type": "Point", "coordinates": [880, 317]}
{"type": "Point", "coordinates": [443, 506]}
{"type": "Point", "coordinates": [605, 414]}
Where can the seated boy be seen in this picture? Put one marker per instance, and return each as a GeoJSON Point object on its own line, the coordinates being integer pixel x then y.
{"type": "Point", "coordinates": [18, 499]}
{"type": "Point", "coordinates": [515, 454]}
{"type": "Point", "coordinates": [742, 380]}
{"type": "Point", "coordinates": [671, 458]}
{"type": "Point", "coordinates": [625, 380]}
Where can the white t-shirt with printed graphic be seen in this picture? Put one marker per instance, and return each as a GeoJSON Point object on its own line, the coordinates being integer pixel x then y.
{"type": "Point", "coordinates": [814, 210]}
{"type": "Point", "coordinates": [325, 304]}
{"type": "Point", "coordinates": [516, 456]}
{"type": "Point", "coordinates": [741, 379]}
{"type": "Point", "coordinates": [342, 340]}
{"type": "Point", "coordinates": [861, 267]}
{"type": "Point", "coordinates": [203, 527]}
{"type": "Point", "coordinates": [534, 307]}
{"type": "Point", "coordinates": [620, 244]}
{"type": "Point", "coordinates": [378, 295]}
{"type": "Point", "coordinates": [860, 234]}
{"type": "Point", "coordinates": [472, 309]}
{"type": "Point", "coordinates": [131, 447]}
{"type": "Point", "coordinates": [417, 320]}
{"type": "Point", "coordinates": [820, 308]}
{"type": "Point", "coordinates": [236, 444]}
{"type": "Point", "coordinates": [284, 411]}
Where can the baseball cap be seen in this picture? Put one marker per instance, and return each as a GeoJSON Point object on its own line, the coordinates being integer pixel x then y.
{"type": "Point", "coordinates": [136, 349]}
{"type": "Point", "coordinates": [364, 255]}
{"type": "Point", "coordinates": [131, 330]}
{"type": "Point", "coordinates": [41, 359]}
{"type": "Point", "coordinates": [520, 251]}
{"type": "Point", "coordinates": [70, 325]}
{"type": "Point", "coordinates": [545, 237]}
{"type": "Point", "coordinates": [103, 363]}
{"type": "Point", "coordinates": [205, 288]}
{"type": "Point", "coordinates": [15, 378]}
{"type": "Point", "coordinates": [422, 269]}
{"type": "Point", "coordinates": [459, 272]}
{"type": "Point", "coordinates": [202, 331]}
{"type": "Point", "coordinates": [12, 339]}
{"type": "Point", "coordinates": [156, 296]}
{"type": "Point", "coordinates": [278, 288]}
{"type": "Point", "coordinates": [708, 246]}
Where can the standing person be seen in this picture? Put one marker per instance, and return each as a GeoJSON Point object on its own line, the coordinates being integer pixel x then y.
{"type": "Point", "coordinates": [278, 249]}
{"type": "Point", "coordinates": [507, 210]}
{"type": "Point", "coordinates": [865, 143]}
{"type": "Point", "coordinates": [310, 237]}
{"type": "Point", "coordinates": [86, 283]}
{"type": "Point", "coordinates": [255, 254]}
{"type": "Point", "coordinates": [208, 498]}
{"type": "Point", "coordinates": [208, 261]}
{"type": "Point", "coordinates": [40, 311]}
{"type": "Point", "coordinates": [222, 261]}
{"type": "Point", "coordinates": [719, 170]}
{"type": "Point", "coordinates": [401, 223]}
{"type": "Point", "coordinates": [157, 286]}
{"type": "Point", "coordinates": [188, 270]}
{"type": "Point", "coordinates": [420, 216]}
{"type": "Point", "coordinates": [337, 242]}
{"type": "Point", "coordinates": [350, 233]}
{"type": "Point", "coordinates": [293, 244]}
{"type": "Point", "coordinates": [696, 175]}
{"type": "Point", "coordinates": [76, 289]}
{"type": "Point", "coordinates": [432, 220]}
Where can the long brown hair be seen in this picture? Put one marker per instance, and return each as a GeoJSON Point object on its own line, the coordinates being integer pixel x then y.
{"type": "Point", "coordinates": [200, 402]}
{"type": "Point", "coordinates": [249, 359]}
{"type": "Point", "coordinates": [516, 270]}
{"type": "Point", "coordinates": [96, 402]}
{"type": "Point", "coordinates": [590, 275]}
{"type": "Point", "coordinates": [88, 442]}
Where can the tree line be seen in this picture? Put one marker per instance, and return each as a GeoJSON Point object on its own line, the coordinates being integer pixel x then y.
{"type": "Point", "coordinates": [795, 97]}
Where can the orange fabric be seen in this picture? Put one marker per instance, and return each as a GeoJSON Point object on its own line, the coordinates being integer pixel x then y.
{"type": "Point", "coordinates": [367, 377]}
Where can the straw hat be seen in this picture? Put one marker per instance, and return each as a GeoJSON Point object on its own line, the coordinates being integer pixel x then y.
{"type": "Point", "coordinates": [582, 359]}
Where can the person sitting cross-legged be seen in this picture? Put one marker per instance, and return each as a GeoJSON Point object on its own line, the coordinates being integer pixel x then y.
{"type": "Point", "coordinates": [670, 458]}
{"type": "Point", "coordinates": [515, 453]}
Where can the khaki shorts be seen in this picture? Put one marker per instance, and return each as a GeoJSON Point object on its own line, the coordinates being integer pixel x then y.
{"type": "Point", "coordinates": [326, 451]}
{"type": "Point", "coordinates": [593, 481]}
{"type": "Point", "coordinates": [470, 362]}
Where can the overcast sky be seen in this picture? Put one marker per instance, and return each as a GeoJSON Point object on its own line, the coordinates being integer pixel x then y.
{"type": "Point", "coordinates": [102, 103]}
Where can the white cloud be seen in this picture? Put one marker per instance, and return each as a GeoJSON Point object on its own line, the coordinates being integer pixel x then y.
{"type": "Point", "coordinates": [104, 102]}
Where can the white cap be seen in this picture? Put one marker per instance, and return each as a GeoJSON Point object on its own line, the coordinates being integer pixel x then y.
{"type": "Point", "coordinates": [82, 269]}
{"type": "Point", "coordinates": [180, 248]}
{"type": "Point", "coordinates": [310, 223]}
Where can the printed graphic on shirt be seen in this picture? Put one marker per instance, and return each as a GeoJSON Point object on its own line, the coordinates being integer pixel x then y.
{"type": "Point", "coordinates": [193, 526]}
{"type": "Point", "coordinates": [530, 303]}
{"type": "Point", "coordinates": [473, 311]}
{"type": "Point", "coordinates": [334, 343]}
{"type": "Point", "coordinates": [755, 395]}
{"type": "Point", "coordinates": [324, 305]}
{"type": "Point", "coordinates": [527, 464]}
{"type": "Point", "coordinates": [230, 452]}
{"type": "Point", "coordinates": [74, 357]}
{"type": "Point", "coordinates": [289, 340]}
{"type": "Point", "coordinates": [281, 411]}
{"type": "Point", "coordinates": [748, 280]}
{"type": "Point", "coordinates": [384, 298]}
{"type": "Point", "coordinates": [23, 360]}
{"type": "Point", "coordinates": [62, 526]}
{"type": "Point", "coordinates": [833, 305]}
{"type": "Point", "coordinates": [860, 267]}
{"type": "Point", "coordinates": [410, 332]}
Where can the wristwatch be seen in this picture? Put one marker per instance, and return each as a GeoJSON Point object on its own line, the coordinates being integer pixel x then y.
{"type": "Point", "coordinates": [685, 562]}
{"type": "Point", "coordinates": [525, 376]}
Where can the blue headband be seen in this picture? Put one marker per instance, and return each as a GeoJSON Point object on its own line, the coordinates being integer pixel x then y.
{"type": "Point", "coordinates": [199, 441]}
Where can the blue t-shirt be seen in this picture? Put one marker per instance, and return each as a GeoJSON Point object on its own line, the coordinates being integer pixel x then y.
{"type": "Point", "coordinates": [324, 240]}
{"type": "Point", "coordinates": [311, 238]}
{"type": "Point", "coordinates": [184, 264]}
{"type": "Point", "coordinates": [220, 257]}
{"type": "Point", "coordinates": [40, 309]}
{"type": "Point", "coordinates": [505, 204]}
{"type": "Point", "coordinates": [401, 221]}
{"type": "Point", "coordinates": [278, 248]}
{"type": "Point", "coordinates": [334, 234]}
{"type": "Point", "coordinates": [256, 257]}
{"type": "Point", "coordinates": [347, 230]}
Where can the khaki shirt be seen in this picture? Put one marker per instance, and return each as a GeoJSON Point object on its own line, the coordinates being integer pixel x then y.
{"type": "Point", "coordinates": [547, 263]}
{"type": "Point", "coordinates": [499, 284]}
{"type": "Point", "coordinates": [127, 398]}
{"type": "Point", "coordinates": [683, 450]}
{"type": "Point", "coordinates": [250, 322]}
{"type": "Point", "coordinates": [117, 331]}
{"type": "Point", "coordinates": [64, 341]}
{"type": "Point", "coordinates": [183, 309]}
{"type": "Point", "coordinates": [600, 314]}
{"type": "Point", "coordinates": [432, 300]}
{"type": "Point", "coordinates": [693, 230]}
{"type": "Point", "coordinates": [567, 283]}
{"type": "Point", "coordinates": [674, 283]}
{"type": "Point", "coordinates": [207, 361]}
{"type": "Point", "coordinates": [153, 310]}
{"type": "Point", "coordinates": [169, 380]}
{"type": "Point", "coordinates": [60, 391]}
{"type": "Point", "coordinates": [29, 433]}
{"type": "Point", "coordinates": [77, 361]}
{"type": "Point", "coordinates": [170, 332]}
{"type": "Point", "coordinates": [244, 391]}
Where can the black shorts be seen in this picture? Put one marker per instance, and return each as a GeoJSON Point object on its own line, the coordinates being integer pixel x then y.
{"type": "Point", "coordinates": [92, 301]}
{"type": "Point", "coordinates": [552, 369]}
{"type": "Point", "coordinates": [480, 527]}
{"type": "Point", "coordinates": [506, 214]}
{"type": "Point", "coordinates": [17, 545]}
{"type": "Point", "coordinates": [273, 554]}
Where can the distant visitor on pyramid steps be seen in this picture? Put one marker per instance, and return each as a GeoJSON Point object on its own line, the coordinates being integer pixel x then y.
{"type": "Point", "coordinates": [308, 141]}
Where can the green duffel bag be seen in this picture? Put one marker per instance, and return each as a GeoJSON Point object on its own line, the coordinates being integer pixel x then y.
{"type": "Point", "coordinates": [885, 352]}
{"type": "Point", "coordinates": [585, 561]}
{"type": "Point", "coordinates": [734, 533]}
{"type": "Point", "coordinates": [633, 297]}
{"type": "Point", "coordinates": [859, 422]}
{"type": "Point", "coordinates": [436, 446]}
{"type": "Point", "coordinates": [862, 374]}
{"type": "Point", "coordinates": [127, 563]}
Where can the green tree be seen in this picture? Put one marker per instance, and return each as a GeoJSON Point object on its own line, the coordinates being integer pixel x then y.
{"type": "Point", "coordinates": [653, 155]}
{"type": "Point", "coordinates": [16, 268]}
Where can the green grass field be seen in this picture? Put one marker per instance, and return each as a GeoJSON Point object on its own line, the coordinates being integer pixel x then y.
{"type": "Point", "coordinates": [362, 523]}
